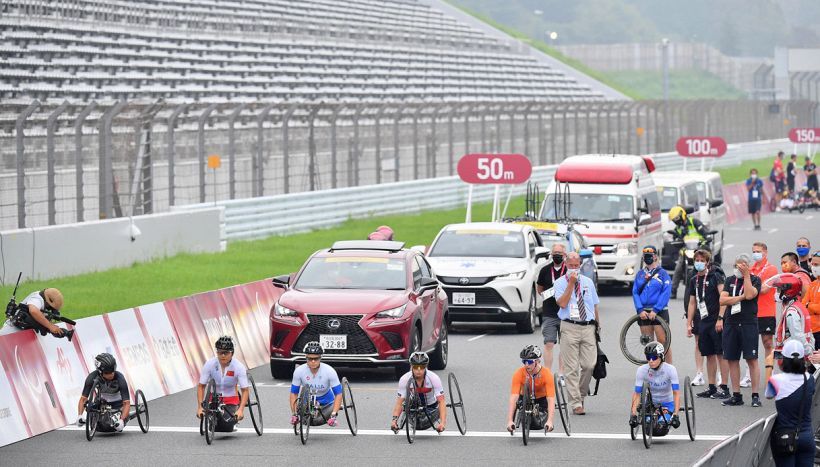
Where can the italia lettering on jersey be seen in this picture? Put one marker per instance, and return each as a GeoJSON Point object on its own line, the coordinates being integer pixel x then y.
{"type": "Point", "coordinates": [662, 381]}
{"type": "Point", "coordinates": [325, 382]}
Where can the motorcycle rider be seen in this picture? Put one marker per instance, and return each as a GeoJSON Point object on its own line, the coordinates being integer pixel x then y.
{"type": "Point", "coordinates": [686, 227]}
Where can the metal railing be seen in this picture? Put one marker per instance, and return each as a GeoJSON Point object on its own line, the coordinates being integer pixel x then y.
{"type": "Point", "coordinates": [74, 162]}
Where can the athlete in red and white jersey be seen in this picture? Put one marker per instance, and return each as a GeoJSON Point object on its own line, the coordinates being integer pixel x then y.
{"type": "Point", "coordinates": [429, 388]}
{"type": "Point", "coordinates": [228, 374]}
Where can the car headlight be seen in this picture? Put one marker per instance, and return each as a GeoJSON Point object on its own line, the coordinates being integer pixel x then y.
{"type": "Point", "coordinates": [513, 276]}
{"type": "Point", "coordinates": [668, 238]}
{"type": "Point", "coordinates": [626, 249]}
{"type": "Point", "coordinates": [392, 313]}
{"type": "Point", "coordinates": [690, 254]}
{"type": "Point", "coordinates": [282, 312]}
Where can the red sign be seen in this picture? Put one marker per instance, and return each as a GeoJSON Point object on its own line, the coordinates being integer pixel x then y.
{"type": "Point", "coordinates": [508, 169]}
{"type": "Point", "coordinates": [701, 146]}
{"type": "Point", "coordinates": [804, 135]}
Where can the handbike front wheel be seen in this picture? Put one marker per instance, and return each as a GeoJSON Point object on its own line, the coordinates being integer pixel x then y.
{"type": "Point", "coordinates": [142, 411]}
{"type": "Point", "coordinates": [647, 415]}
{"type": "Point", "coordinates": [410, 411]}
{"type": "Point", "coordinates": [633, 340]}
{"type": "Point", "coordinates": [561, 404]}
{"type": "Point", "coordinates": [526, 414]}
{"type": "Point", "coordinates": [689, 408]}
{"type": "Point", "coordinates": [303, 412]}
{"type": "Point", "coordinates": [457, 403]}
{"type": "Point", "coordinates": [254, 408]}
{"type": "Point", "coordinates": [350, 407]}
{"type": "Point", "coordinates": [92, 411]}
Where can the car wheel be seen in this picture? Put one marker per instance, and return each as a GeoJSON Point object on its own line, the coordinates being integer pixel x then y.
{"type": "Point", "coordinates": [415, 346]}
{"type": "Point", "coordinates": [281, 370]}
{"type": "Point", "coordinates": [438, 360]}
{"type": "Point", "coordinates": [530, 322]}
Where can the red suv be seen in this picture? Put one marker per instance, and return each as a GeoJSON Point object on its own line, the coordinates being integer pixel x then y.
{"type": "Point", "coordinates": [369, 303]}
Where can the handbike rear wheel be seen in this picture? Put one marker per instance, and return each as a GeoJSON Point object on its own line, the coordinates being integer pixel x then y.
{"type": "Point", "coordinates": [689, 408]}
{"type": "Point", "coordinates": [633, 341]}
{"type": "Point", "coordinates": [457, 403]}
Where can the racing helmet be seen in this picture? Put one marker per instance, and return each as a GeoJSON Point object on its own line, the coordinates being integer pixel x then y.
{"type": "Point", "coordinates": [53, 298]}
{"type": "Point", "coordinates": [386, 231]}
{"type": "Point", "coordinates": [224, 343]}
{"type": "Point", "coordinates": [530, 352]}
{"type": "Point", "coordinates": [105, 363]}
{"type": "Point", "coordinates": [313, 348]}
{"type": "Point", "coordinates": [787, 284]}
{"type": "Point", "coordinates": [654, 349]}
{"type": "Point", "coordinates": [677, 215]}
{"type": "Point", "coordinates": [419, 358]}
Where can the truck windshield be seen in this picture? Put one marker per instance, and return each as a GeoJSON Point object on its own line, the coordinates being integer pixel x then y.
{"type": "Point", "coordinates": [593, 208]}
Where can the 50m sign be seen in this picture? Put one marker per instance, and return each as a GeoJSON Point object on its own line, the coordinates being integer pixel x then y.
{"type": "Point", "coordinates": [506, 169]}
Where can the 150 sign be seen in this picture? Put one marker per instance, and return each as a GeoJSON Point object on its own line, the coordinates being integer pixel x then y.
{"type": "Point", "coordinates": [804, 135]}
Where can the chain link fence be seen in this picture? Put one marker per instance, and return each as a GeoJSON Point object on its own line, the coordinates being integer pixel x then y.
{"type": "Point", "coordinates": [78, 162]}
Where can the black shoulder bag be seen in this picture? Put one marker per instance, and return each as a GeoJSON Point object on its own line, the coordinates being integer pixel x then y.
{"type": "Point", "coordinates": [784, 440]}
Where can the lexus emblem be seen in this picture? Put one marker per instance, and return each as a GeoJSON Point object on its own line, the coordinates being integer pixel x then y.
{"type": "Point", "coordinates": [464, 281]}
{"type": "Point", "coordinates": [334, 324]}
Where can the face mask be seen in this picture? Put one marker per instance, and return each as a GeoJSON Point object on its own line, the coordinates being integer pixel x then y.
{"type": "Point", "coordinates": [648, 259]}
{"type": "Point", "coordinates": [736, 272]}
{"type": "Point", "coordinates": [557, 259]}
{"type": "Point", "coordinates": [815, 271]}
{"type": "Point", "coordinates": [802, 251]}
{"type": "Point", "coordinates": [573, 270]}
{"type": "Point", "coordinates": [700, 266]}
{"type": "Point", "coordinates": [754, 176]}
{"type": "Point", "coordinates": [757, 256]}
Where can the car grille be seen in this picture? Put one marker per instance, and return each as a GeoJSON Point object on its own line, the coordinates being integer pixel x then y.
{"type": "Point", "coordinates": [484, 297]}
{"type": "Point", "coordinates": [604, 248]}
{"type": "Point", "coordinates": [357, 340]}
{"type": "Point", "coordinates": [606, 265]}
{"type": "Point", "coordinates": [455, 280]}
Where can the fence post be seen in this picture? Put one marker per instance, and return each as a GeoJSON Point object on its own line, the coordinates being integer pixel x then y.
{"type": "Point", "coordinates": [333, 154]}
{"type": "Point", "coordinates": [51, 124]}
{"type": "Point", "coordinates": [450, 141]}
{"type": "Point", "coordinates": [21, 186]}
{"type": "Point", "coordinates": [201, 148]}
{"type": "Point", "coordinates": [106, 188]}
{"type": "Point", "coordinates": [232, 149]}
{"type": "Point", "coordinates": [78, 157]}
{"type": "Point", "coordinates": [256, 167]}
{"type": "Point", "coordinates": [396, 144]}
{"type": "Point", "coordinates": [467, 109]}
{"type": "Point", "coordinates": [172, 122]}
{"type": "Point", "coordinates": [312, 146]}
{"type": "Point", "coordinates": [416, 142]}
{"type": "Point", "coordinates": [378, 158]}
{"type": "Point", "coordinates": [286, 146]}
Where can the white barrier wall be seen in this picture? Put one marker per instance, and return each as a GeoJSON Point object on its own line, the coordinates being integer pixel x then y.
{"type": "Point", "coordinates": [69, 249]}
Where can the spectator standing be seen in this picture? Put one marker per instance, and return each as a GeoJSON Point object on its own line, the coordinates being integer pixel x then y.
{"type": "Point", "coordinates": [791, 172]}
{"type": "Point", "coordinates": [778, 177]}
{"type": "Point", "coordinates": [766, 307]}
{"type": "Point", "coordinates": [803, 249]}
{"type": "Point", "coordinates": [550, 323]}
{"type": "Point", "coordinates": [578, 302]}
{"type": "Point", "coordinates": [792, 391]}
{"type": "Point", "coordinates": [754, 187]}
{"type": "Point", "coordinates": [812, 300]}
{"type": "Point", "coordinates": [810, 168]}
{"type": "Point", "coordinates": [737, 322]}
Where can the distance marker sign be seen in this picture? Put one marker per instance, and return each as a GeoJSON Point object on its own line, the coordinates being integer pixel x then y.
{"type": "Point", "coordinates": [701, 146]}
{"type": "Point", "coordinates": [499, 169]}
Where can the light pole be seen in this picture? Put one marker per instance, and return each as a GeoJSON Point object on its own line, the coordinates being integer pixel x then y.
{"type": "Point", "coordinates": [665, 64]}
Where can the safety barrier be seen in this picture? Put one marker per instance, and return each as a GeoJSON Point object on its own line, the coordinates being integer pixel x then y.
{"type": "Point", "coordinates": [285, 214]}
{"type": "Point", "coordinates": [160, 348]}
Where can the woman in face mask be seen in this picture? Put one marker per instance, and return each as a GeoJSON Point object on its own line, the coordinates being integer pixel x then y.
{"type": "Point", "coordinates": [812, 299]}
{"type": "Point", "coordinates": [650, 294]}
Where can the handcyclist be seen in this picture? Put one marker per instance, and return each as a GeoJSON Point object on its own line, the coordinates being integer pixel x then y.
{"type": "Point", "coordinates": [650, 294]}
{"type": "Point", "coordinates": [113, 390]}
{"type": "Point", "coordinates": [664, 386]}
{"type": "Point", "coordinates": [686, 228]}
{"type": "Point", "coordinates": [228, 373]}
{"type": "Point", "coordinates": [542, 386]}
{"type": "Point", "coordinates": [33, 313]}
{"type": "Point", "coordinates": [321, 378]}
{"type": "Point", "coordinates": [429, 388]}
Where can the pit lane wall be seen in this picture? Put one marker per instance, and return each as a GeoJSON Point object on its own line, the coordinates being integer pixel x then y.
{"type": "Point", "coordinates": [159, 347]}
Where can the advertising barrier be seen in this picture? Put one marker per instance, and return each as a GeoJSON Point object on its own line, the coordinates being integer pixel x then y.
{"type": "Point", "coordinates": [11, 416]}
{"type": "Point", "coordinates": [141, 367]}
{"type": "Point", "coordinates": [67, 370]}
{"type": "Point", "coordinates": [165, 348]}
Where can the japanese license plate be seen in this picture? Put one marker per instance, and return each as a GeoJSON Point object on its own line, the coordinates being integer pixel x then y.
{"type": "Point", "coordinates": [333, 341]}
{"type": "Point", "coordinates": [461, 298]}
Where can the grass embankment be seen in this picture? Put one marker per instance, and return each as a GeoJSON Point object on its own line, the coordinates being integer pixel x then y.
{"type": "Point", "coordinates": [247, 261]}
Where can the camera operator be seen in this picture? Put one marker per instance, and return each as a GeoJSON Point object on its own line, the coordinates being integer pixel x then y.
{"type": "Point", "coordinates": [32, 313]}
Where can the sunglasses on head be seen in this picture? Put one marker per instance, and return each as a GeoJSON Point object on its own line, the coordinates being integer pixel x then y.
{"type": "Point", "coordinates": [527, 362]}
{"type": "Point", "coordinates": [314, 359]}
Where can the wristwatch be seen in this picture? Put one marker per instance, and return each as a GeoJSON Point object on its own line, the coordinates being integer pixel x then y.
{"type": "Point", "coordinates": [721, 317]}
{"type": "Point", "coordinates": [395, 417]}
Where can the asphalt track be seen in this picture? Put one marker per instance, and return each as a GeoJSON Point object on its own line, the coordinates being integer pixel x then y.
{"type": "Point", "coordinates": [483, 358]}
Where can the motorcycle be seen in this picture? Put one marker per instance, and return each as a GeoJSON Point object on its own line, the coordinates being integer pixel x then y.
{"type": "Point", "coordinates": [687, 248]}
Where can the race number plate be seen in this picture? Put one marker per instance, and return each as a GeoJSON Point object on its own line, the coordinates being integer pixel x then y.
{"type": "Point", "coordinates": [463, 298]}
{"type": "Point", "coordinates": [333, 341]}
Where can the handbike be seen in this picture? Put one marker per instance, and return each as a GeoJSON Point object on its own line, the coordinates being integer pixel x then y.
{"type": "Point", "coordinates": [101, 415]}
{"type": "Point", "coordinates": [214, 407]}
{"type": "Point", "coordinates": [308, 410]}
{"type": "Point", "coordinates": [415, 408]}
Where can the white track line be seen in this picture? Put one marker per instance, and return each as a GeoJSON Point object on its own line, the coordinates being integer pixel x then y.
{"type": "Point", "coordinates": [476, 337]}
{"type": "Point", "coordinates": [728, 247]}
{"type": "Point", "coordinates": [808, 218]}
{"type": "Point", "coordinates": [771, 231]}
{"type": "Point", "coordinates": [342, 430]}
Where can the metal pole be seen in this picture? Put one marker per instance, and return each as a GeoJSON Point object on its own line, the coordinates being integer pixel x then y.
{"type": "Point", "coordinates": [450, 141]}
{"type": "Point", "coordinates": [665, 59]}
{"type": "Point", "coordinates": [416, 143]}
{"type": "Point", "coordinates": [201, 152]}
{"type": "Point", "coordinates": [378, 157]}
{"type": "Point", "coordinates": [78, 157]}
{"type": "Point", "coordinates": [286, 147]}
{"type": "Point", "coordinates": [172, 122]}
{"type": "Point", "coordinates": [396, 143]}
{"type": "Point", "coordinates": [312, 147]}
{"type": "Point", "coordinates": [333, 153]}
{"type": "Point", "coordinates": [232, 150]}
{"type": "Point", "coordinates": [21, 187]}
{"type": "Point", "coordinates": [256, 167]}
{"type": "Point", "coordinates": [106, 189]}
{"type": "Point", "coordinates": [50, 130]}
{"type": "Point", "coordinates": [467, 109]}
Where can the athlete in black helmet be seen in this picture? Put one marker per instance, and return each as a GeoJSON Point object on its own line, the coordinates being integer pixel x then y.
{"type": "Point", "coordinates": [113, 390]}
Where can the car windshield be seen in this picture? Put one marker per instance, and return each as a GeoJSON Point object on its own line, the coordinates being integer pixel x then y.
{"type": "Point", "coordinates": [593, 208]}
{"type": "Point", "coordinates": [347, 272]}
{"type": "Point", "coordinates": [479, 243]}
{"type": "Point", "coordinates": [668, 196]}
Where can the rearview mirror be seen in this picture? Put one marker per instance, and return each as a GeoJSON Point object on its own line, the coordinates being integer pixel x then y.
{"type": "Point", "coordinates": [540, 252]}
{"type": "Point", "coordinates": [428, 283]}
{"type": "Point", "coordinates": [645, 219]}
{"type": "Point", "coordinates": [283, 282]}
{"type": "Point", "coordinates": [715, 203]}
{"type": "Point", "coordinates": [420, 248]}
{"type": "Point", "coordinates": [585, 253]}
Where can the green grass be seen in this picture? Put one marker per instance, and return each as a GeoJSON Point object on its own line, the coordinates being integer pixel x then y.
{"type": "Point", "coordinates": [740, 172]}
{"type": "Point", "coordinates": [683, 84]}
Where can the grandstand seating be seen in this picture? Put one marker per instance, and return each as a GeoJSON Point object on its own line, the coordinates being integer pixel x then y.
{"type": "Point", "coordinates": [248, 50]}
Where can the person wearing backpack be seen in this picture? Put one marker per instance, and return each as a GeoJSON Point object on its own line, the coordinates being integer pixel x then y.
{"type": "Point", "coordinates": [792, 440]}
{"type": "Point", "coordinates": [650, 294]}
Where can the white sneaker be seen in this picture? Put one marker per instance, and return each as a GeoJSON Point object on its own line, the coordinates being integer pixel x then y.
{"type": "Point", "coordinates": [746, 382]}
{"type": "Point", "coordinates": [698, 380]}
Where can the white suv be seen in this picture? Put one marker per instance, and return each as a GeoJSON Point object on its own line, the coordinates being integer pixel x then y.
{"type": "Point", "coordinates": [489, 271]}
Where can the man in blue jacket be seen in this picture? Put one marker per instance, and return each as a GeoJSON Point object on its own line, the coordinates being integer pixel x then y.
{"type": "Point", "coordinates": [650, 293]}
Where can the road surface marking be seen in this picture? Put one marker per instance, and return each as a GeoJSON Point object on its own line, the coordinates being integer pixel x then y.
{"type": "Point", "coordinates": [728, 247]}
{"type": "Point", "coordinates": [476, 337]}
{"type": "Point", "coordinates": [771, 231]}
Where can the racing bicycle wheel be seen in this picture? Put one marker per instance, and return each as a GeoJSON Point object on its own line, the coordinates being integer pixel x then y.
{"type": "Point", "coordinates": [141, 410]}
{"type": "Point", "coordinates": [92, 410]}
{"type": "Point", "coordinates": [633, 340]}
{"type": "Point", "coordinates": [209, 413]}
{"type": "Point", "coordinates": [303, 412]}
{"type": "Point", "coordinates": [350, 407]}
{"type": "Point", "coordinates": [457, 403]}
{"type": "Point", "coordinates": [647, 414]}
{"type": "Point", "coordinates": [561, 404]}
{"type": "Point", "coordinates": [253, 407]}
{"type": "Point", "coordinates": [689, 408]}
{"type": "Point", "coordinates": [525, 415]}
{"type": "Point", "coordinates": [411, 408]}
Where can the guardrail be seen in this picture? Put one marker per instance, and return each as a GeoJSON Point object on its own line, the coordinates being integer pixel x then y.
{"type": "Point", "coordinates": [252, 218]}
